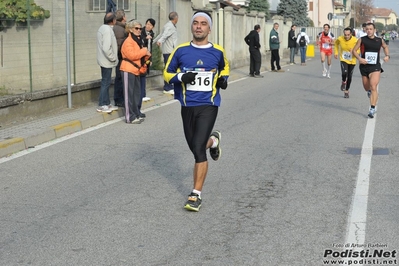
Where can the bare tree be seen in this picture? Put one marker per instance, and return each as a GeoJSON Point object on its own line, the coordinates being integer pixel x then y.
{"type": "Point", "coordinates": [362, 11]}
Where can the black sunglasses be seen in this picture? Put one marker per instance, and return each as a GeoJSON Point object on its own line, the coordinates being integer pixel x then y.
{"type": "Point", "coordinates": [137, 28]}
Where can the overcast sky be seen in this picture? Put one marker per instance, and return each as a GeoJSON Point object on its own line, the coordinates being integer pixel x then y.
{"type": "Point", "coordinates": [391, 4]}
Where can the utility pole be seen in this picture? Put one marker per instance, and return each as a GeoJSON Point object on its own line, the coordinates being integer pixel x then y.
{"type": "Point", "coordinates": [354, 15]}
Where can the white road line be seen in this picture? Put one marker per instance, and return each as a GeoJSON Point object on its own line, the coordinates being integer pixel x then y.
{"type": "Point", "coordinates": [356, 228]}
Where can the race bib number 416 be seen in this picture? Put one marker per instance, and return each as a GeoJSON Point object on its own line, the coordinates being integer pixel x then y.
{"type": "Point", "coordinates": [203, 82]}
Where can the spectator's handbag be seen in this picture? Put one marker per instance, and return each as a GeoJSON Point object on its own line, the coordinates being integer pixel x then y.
{"type": "Point", "coordinates": [144, 64]}
{"type": "Point", "coordinates": [144, 60]}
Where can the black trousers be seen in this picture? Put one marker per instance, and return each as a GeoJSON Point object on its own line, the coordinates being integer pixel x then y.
{"type": "Point", "coordinates": [347, 72]}
{"type": "Point", "coordinates": [132, 95]}
{"type": "Point", "coordinates": [255, 61]}
{"type": "Point", "coordinates": [275, 58]}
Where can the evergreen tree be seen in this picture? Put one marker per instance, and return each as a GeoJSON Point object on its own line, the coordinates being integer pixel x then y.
{"type": "Point", "coordinates": [260, 6]}
{"type": "Point", "coordinates": [297, 10]}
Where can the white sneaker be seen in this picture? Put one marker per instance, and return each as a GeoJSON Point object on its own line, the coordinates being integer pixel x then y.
{"type": "Point", "coordinates": [171, 92]}
{"type": "Point", "coordinates": [328, 75]}
{"type": "Point", "coordinates": [146, 99]}
{"type": "Point", "coordinates": [112, 107]}
{"type": "Point", "coordinates": [104, 109]}
{"type": "Point", "coordinates": [324, 73]}
{"type": "Point", "coordinates": [136, 121]}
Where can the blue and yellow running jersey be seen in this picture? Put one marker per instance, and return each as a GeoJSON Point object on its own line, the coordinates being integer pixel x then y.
{"type": "Point", "coordinates": [209, 61]}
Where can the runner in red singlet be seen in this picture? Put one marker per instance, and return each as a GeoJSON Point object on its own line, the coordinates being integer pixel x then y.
{"type": "Point", "coordinates": [325, 41]}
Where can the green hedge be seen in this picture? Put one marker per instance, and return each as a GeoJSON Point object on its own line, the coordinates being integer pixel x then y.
{"type": "Point", "coordinates": [18, 11]}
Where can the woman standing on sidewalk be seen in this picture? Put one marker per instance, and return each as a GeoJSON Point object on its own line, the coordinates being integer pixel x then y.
{"type": "Point", "coordinates": [134, 56]}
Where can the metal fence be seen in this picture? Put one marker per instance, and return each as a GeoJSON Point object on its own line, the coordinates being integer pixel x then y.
{"type": "Point", "coordinates": [33, 56]}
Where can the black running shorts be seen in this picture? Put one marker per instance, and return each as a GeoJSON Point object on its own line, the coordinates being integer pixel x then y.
{"type": "Point", "coordinates": [365, 70]}
{"type": "Point", "coordinates": [198, 122]}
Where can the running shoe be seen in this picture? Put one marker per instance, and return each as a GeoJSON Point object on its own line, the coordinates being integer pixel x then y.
{"type": "Point", "coordinates": [343, 86]}
{"type": "Point", "coordinates": [371, 112]}
{"type": "Point", "coordinates": [346, 94]}
{"type": "Point", "coordinates": [328, 75]}
{"type": "Point", "coordinates": [193, 203]}
{"type": "Point", "coordinates": [324, 73]}
{"type": "Point", "coordinates": [368, 94]}
{"type": "Point", "coordinates": [217, 151]}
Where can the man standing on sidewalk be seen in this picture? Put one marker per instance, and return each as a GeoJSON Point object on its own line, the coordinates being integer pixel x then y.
{"type": "Point", "coordinates": [120, 35]}
{"type": "Point", "coordinates": [199, 69]}
{"type": "Point", "coordinates": [292, 44]}
{"type": "Point", "coordinates": [274, 43]}
{"type": "Point", "coordinates": [107, 58]}
{"type": "Point", "coordinates": [255, 60]}
{"type": "Point", "coordinates": [168, 40]}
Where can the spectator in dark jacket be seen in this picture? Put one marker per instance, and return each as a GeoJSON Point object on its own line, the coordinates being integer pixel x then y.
{"type": "Point", "coordinates": [252, 39]}
{"type": "Point", "coordinates": [292, 43]}
{"type": "Point", "coordinates": [120, 35]}
{"type": "Point", "coordinates": [147, 35]}
{"type": "Point", "coordinates": [274, 44]}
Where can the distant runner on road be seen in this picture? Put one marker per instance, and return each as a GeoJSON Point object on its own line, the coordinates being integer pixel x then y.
{"type": "Point", "coordinates": [325, 40]}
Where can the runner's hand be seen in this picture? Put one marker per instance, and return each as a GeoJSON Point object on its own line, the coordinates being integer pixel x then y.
{"type": "Point", "coordinates": [188, 77]}
{"type": "Point", "coordinates": [221, 83]}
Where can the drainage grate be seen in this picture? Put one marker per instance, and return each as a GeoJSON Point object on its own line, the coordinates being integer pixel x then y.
{"type": "Point", "coordinates": [376, 151]}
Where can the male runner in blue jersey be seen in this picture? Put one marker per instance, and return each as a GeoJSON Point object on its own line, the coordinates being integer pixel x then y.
{"type": "Point", "coordinates": [198, 70]}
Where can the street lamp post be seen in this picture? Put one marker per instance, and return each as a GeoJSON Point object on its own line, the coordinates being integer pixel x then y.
{"type": "Point", "coordinates": [354, 18]}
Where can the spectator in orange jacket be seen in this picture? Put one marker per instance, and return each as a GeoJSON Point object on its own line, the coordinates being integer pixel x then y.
{"type": "Point", "coordinates": [134, 57]}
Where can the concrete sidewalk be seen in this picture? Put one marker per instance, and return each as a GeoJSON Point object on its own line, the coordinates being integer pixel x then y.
{"type": "Point", "coordinates": [27, 135]}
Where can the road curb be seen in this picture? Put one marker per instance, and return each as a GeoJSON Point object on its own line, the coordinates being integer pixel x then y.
{"type": "Point", "coordinates": [10, 146]}
{"type": "Point", "coordinates": [17, 144]}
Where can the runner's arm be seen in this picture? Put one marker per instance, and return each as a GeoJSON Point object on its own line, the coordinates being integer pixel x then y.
{"type": "Point", "coordinates": [386, 51]}
{"type": "Point", "coordinates": [336, 48]}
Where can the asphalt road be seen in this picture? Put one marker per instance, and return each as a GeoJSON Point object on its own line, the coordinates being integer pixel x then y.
{"type": "Point", "coordinates": [297, 172]}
